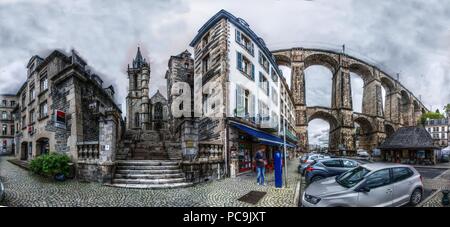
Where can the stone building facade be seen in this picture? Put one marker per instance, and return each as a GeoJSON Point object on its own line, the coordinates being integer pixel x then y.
{"type": "Point", "coordinates": [240, 98]}
{"type": "Point", "coordinates": [439, 131]}
{"type": "Point", "coordinates": [64, 108]}
{"type": "Point", "coordinates": [7, 104]}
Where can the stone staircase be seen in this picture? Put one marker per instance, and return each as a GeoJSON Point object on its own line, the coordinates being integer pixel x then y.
{"type": "Point", "coordinates": [149, 174]}
{"type": "Point", "coordinates": [148, 160]}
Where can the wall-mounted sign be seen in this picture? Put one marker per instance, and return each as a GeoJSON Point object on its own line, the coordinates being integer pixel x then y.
{"type": "Point", "coordinates": [60, 119]}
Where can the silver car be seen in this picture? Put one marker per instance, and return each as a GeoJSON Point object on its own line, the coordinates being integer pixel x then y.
{"type": "Point", "coordinates": [369, 185]}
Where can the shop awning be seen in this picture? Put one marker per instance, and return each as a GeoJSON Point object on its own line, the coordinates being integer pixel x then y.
{"type": "Point", "coordinates": [263, 137]}
{"type": "Point", "coordinates": [291, 136]}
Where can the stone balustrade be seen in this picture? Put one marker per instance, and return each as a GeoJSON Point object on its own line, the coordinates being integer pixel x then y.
{"type": "Point", "coordinates": [88, 150]}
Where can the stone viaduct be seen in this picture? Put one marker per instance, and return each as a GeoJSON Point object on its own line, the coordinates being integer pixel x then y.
{"type": "Point", "coordinates": [376, 121]}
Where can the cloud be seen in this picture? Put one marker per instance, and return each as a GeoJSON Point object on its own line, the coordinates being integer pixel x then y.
{"type": "Point", "coordinates": [411, 37]}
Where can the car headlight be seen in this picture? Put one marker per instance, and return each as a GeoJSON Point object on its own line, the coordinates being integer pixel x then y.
{"type": "Point", "coordinates": [312, 199]}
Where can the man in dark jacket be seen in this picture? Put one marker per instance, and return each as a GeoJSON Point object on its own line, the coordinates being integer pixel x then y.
{"type": "Point", "coordinates": [260, 159]}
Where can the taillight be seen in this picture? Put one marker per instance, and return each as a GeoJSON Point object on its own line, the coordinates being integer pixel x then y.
{"type": "Point", "coordinates": [309, 169]}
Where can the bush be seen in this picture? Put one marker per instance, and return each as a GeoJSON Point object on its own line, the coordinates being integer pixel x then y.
{"type": "Point", "coordinates": [50, 164]}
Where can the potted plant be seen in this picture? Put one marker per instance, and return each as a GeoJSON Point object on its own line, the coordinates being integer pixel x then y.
{"type": "Point", "coordinates": [52, 165]}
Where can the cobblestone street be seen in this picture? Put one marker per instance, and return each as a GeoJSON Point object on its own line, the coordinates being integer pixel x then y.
{"type": "Point", "coordinates": [26, 189]}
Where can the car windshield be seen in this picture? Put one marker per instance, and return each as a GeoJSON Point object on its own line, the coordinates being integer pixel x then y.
{"type": "Point", "coordinates": [352, 177]}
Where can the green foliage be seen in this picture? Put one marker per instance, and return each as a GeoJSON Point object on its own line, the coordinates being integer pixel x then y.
{"type": "Point", "coordinates": [430, 115]}
{"type": "Point", "coordinates": [447, 108]}
{"type": "Point", "coordinates": [51, 164]}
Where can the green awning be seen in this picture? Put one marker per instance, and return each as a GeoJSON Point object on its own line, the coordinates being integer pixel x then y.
{"type": "Point", "coordinates": [291, 136]}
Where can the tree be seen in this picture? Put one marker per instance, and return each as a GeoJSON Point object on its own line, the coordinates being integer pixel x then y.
{"type": "Point", "coordinates": [437, 110]}
{"type": "Point", "coordinates": [430, 115]}
{"type": "Point", "coordinates": [447, 108]}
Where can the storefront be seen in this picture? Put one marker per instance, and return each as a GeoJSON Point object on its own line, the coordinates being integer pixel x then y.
{"type": "Point", "coordinates": [249, 139]}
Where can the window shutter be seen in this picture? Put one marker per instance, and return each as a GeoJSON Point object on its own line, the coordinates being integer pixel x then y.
{"type": "Point", "coordinates": [239, 101]}
{"type": "Point", "coordinates": [239, 60]}
{"type": "Point", "coordinates": [252, 107]}
{"type": "Point", "coordinates": [238, 36]}
{"type": "Point", "coordinates": [252, 48]}
{"type": "Point", "coordinates": [253, 71]}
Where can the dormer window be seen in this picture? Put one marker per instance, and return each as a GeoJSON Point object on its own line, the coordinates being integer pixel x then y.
{"type": "Point", "coordinates": [245, 42]}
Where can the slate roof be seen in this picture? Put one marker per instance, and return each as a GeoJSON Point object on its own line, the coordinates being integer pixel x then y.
{"type": "Point", "coordinates": [409, 138]}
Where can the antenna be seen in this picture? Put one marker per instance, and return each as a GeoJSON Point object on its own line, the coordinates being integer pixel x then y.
{"type": "Point", "coordinates": [343, 48]}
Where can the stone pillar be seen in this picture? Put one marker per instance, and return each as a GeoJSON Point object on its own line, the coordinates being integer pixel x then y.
{"type": "Point", "coordinates": [189, 139]}
{"type": "Point", "coordinates": [298, 90]}
{"type": "Point", "coordinates": [395, 108]}
{"type": "Point", "coordinates": [372, 99]}
{"type": "Point", "coordinates": [107, 147]}
{"type": "Point", "coordinates": [145, 124]}
{"type": "Point", "coordinates": [388, 106]}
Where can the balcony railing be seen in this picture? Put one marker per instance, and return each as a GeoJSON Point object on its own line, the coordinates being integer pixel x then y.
{"type": "Point", "coordinates": [88, 150]}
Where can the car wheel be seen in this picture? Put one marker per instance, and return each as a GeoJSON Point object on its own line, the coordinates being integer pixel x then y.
{"type": "Point", "coordinates": [416, 197]}
{"type": "Point", "coordinates": [316, 178]}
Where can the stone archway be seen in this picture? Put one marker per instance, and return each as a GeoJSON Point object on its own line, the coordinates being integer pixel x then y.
{"type": "Point", "coordinates": [364, 135]}
{"type": "Point", "coordinates": [389, 130]}
{"type": "Point", "coordinates": [42, 146]}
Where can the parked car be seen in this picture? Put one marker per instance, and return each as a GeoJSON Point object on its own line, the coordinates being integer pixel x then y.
{"type": "Point", "coordinates": [368, 185]}
{"type": "Point", "coordinates": [445, 158]}
{"type": "Point", "coordinates": [2, 192]}
{"type": "Point", "coordinates": [363, 154]}
{"type": "Point", "coordinates": [328, 168]}
{"type": "Point", "coordinates": [308, 159]}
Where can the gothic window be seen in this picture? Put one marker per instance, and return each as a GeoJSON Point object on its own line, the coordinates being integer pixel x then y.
{"type": "Point", "coordinates": [135, 82]}
{"type": "Point", "coordinates": [158, 111]}
{"type": "Point", "coordinates": [136, 120]}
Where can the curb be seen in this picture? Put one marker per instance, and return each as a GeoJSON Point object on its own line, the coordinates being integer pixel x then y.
{"type": "Point", "coordinates": [431, 167]}
{"type": "Point", "coordinates": [297, 194]}
{"type": "Point", "coordinates": [429, 198]}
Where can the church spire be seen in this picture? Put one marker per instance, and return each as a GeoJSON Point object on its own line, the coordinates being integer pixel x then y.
{"type": "Point", "coordinates": [138, 61]}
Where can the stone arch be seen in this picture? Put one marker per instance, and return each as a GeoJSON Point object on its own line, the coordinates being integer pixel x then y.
{"type": "Point", "coordinates": [321, 59]}
{"type": "Point", "coordinates": [282, 59]}
{"type": "Point", "coordinates": [313, 113]}
{"type": "Point", "coordinates": [416, 112]}
{"type": "Point", "coordinates": [361, 70]}
{"type": "Point", "coordinates": [388, 84]}
{"type": "Point", "coordinates": [405, 101]}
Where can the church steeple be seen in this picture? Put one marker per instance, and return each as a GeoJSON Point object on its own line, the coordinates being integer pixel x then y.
{"type": "Point", "coordinates": [138, 60]}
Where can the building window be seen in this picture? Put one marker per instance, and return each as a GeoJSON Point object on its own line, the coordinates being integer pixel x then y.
{"type": "Point", "coordinates": [12, 129]}
{"type": "Point", "coordinates": [24, 96]}
{"type": "Point", "coordinates": [274, 96]}
{"type": "Point", "coordinates": [137, 120]}
{"type": "Point", "coordinates": [274, 75]}
{"type": "Point", "coordinates": [24, 121]}
{"type": "Point", "coordinates": [13, 103]}
{"type": "Point", "coordinates": [245, 107]}
{"type": "Point", "coordinates": [263, 111]}
{"type": "Point", "coordinates": [43, 110]}
{"type": "Point", "coordinates": [135, 81]}
{"type": "Point", "coordinates": [443, 129]}
{"type": "Point", "coordinates": [263, 83]}
{"type": "Point", "coordinates": [3, 102]}
{"type": "Point", "coordinates": [4, 115]}
{"type": "Point", "coordinates": [263, 61]}
{"type": "Point", "coordinates": [205, 40]}
{"type": "Point", "coordinates": [205, 64]}
{"type": "Point", "coordinates": [44, 84]}
{"type": "Point", "coordinates": [32, 94]}
{"type": "Point", "coordinates": [245, 42]}
{"type": "Point", "coordinates": [245, 66]}
{"type": "Point", "coordinates": [4, 129]}
{"type": "Point", "coordinates": [31, 117]}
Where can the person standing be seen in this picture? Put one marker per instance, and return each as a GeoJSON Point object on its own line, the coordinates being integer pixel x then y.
{"type": "Point", "coordinates": [260, 159]}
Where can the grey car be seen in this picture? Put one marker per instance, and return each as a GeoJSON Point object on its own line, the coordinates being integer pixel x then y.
{"type": "Point", "coordinates": [307, 159]}
{"type": "Point", "coordinates": [369, 185]}
{"type": "Point", "coordinates": [328, 168]}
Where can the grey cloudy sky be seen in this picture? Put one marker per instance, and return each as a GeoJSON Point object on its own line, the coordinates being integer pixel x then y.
{"type": "Point", "coordinates": [411, 37]}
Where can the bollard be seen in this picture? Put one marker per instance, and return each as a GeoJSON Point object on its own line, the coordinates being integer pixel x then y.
{"type": "Point", "coordinates": [445, 200]}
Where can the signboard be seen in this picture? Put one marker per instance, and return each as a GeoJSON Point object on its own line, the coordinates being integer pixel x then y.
{"type": "Point", "coordinates": [60, 119]}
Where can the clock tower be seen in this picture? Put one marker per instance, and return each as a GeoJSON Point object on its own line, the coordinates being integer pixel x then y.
{"type": "Point", "coordinates": [138, 108]}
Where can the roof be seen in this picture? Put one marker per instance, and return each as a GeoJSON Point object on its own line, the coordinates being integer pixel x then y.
{"type": "Point", "coordinates": [409, 138]}
{"type": "Point", "coordinates": [243, 26]}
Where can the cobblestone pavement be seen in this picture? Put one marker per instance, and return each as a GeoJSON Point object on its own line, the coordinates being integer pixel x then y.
{"type": "Point", "coordinates": [25, 189]}
{"type": "Point", "coordinates": [442, 182]}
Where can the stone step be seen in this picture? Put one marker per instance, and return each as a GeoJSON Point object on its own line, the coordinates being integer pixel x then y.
{"type": "Point", "coordinates": [171, 167]}
{"type": "Point", "coordinates": [148, 176]}
{"type": "Point", "coordinates": [146, 163]}
{"type": "Point", "coordinates": [148, 171]}
{"type": "Point", "coordinates": [148, 181]}
{"type": "Point", "coordinates": [151, 186]}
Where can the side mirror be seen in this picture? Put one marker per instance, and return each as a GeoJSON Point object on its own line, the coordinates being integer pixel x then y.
{"type": "Point", "coordinates": [363, 188]}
